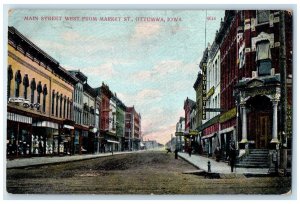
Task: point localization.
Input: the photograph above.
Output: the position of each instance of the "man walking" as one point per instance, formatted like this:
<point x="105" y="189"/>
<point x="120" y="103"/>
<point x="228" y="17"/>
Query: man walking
<point x="232" y="155"/>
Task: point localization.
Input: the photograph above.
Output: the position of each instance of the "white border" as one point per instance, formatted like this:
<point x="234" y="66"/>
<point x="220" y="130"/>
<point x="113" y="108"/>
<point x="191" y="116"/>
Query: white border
<point x="160" y="4"/>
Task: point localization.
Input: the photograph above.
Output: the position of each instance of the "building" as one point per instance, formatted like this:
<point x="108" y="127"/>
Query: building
<point x="40" y="101"/>
<point x="120" y="122"/>
<point x="210" y="125"/>
<point x="180" y="128"/>
<point x="188" y="104"/>
<point x="88" y="139"/>
<point x="79" y="127"/>
<point x="133" y="136"/>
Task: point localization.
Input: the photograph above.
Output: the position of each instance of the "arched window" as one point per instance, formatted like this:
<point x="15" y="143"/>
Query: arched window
<point x="25" y="84"/>
<point x="60" y="105"/>
<point x="45" y="92"/>
<point x="10" y="76"/>
<point x="39" y="90"/>
<point x="18" y="80"/>
<point x="68" y="101"/>
<point x="56" y="108"/>
<point x="32" y="88"/>
<point x="65" y="106"/>
<point x="52" y="102"/>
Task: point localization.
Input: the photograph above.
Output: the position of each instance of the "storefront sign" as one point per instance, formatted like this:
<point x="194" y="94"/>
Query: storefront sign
<point x="193" y="132"/>
<point x="178" y="133"/>
<point x="228" y="115"/>
<point x="210" y="92"/>
<point x="204" y="96"/>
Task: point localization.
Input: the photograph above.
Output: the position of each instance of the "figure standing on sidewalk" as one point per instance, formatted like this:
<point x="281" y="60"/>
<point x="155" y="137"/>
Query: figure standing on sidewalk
<point x="232" y="155"/>
<point x="190" y="151"/>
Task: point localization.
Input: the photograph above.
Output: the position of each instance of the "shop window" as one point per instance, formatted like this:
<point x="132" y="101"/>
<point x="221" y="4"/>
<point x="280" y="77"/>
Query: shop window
<point x="52" y="102"/>
<point x="10" y="76"/>
<point x="263" y="57"/>
<point x="39" y="90"/>
<point x="32" y="88"/>
<point x="25" y="84"/>
<point x="45" y="92"/>
<point x="18" y="81"/>
<point x="262" y="16"/>
<point x="56" y="107"/>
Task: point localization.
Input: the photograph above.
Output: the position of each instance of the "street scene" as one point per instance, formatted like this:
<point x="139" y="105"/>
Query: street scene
<point x="149" y="102"/>
<point x="147" y="172"/>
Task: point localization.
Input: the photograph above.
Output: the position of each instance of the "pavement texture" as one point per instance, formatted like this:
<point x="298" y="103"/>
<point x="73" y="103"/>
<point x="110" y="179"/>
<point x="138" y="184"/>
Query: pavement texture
<point x="221" y="168"/>
<point x="200" y="162"/>
<point x="37" y="161"/>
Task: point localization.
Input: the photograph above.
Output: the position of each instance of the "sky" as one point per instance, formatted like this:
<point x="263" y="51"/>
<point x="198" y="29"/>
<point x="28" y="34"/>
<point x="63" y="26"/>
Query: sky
<point x="149" y="64"/>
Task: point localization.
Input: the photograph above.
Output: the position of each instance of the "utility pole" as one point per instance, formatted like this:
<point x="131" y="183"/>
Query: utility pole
<point x="283" y="88"/>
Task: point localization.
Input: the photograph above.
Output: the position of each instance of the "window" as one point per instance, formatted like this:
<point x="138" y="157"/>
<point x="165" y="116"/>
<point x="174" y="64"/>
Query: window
<point x="262" y="16"/>
<point x="52" y="102"/>
<point x="10" y="76"/>
<point x="32" y="88"/>
<point x="39" y="90"/>
<point x="64" y="106"/>
<point x="18" y="81"/>
<point x="25" y="84"/>
<point x="45" y="92"/>
<point x="68" y="103"/>
<point x="263" y="57"/>
<point x="60" y="105"/>
<point x="56" y="108"/>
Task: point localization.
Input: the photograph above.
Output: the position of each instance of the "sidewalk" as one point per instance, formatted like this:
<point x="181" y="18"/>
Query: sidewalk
<point x="36" y="161"/>
<point x="220" y="167"/>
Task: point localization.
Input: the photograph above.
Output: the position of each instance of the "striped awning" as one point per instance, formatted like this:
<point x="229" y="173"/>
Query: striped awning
<point x="45" y="124"/>
<point x="19" y="118"/>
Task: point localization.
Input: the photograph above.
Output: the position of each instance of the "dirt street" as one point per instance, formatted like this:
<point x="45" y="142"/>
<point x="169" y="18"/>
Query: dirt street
<point x="136" y="173"/>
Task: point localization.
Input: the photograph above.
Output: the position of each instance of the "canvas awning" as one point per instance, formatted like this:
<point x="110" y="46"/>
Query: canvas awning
<point x="112" y="141"/>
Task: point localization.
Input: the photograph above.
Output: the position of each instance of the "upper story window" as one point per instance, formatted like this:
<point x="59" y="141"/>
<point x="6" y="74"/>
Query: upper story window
<point x="10" y="76"/>
<point x="32" y="88"/>
<point x="18" y="80"/>
<point x="25" y="84"/>
<point x="45" y="93"/>
<point x="262" y="16"/>
<point x="52" y="102"/>
<point x="263" y="57"/>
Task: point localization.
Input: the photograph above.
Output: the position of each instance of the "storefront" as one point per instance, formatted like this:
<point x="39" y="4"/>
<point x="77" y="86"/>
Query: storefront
<point x="19" y="130"/>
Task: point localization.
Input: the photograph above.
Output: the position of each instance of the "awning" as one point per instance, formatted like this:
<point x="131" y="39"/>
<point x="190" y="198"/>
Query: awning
<point x="45" y="124"/>
<point x="111" y="141"/>
<point x="208" y="136"/>
<point x="69" y="127"/>
<point x="19" y="118"/>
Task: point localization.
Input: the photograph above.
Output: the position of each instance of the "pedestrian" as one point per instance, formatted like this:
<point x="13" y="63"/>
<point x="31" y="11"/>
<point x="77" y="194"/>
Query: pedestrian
<point x="232" y="155"/>
<point x="176" y="153"/>
<point x="218" y="153"/>
<point x="190" y="151"/>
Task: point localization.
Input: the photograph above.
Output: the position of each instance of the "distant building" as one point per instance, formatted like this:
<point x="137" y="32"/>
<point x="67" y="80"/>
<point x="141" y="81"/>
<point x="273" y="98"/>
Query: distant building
<point x="133" y="136"/>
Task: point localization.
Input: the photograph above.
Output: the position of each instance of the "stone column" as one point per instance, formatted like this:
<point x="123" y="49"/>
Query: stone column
<point x="274" y="130"/>
<point x="244" y="124"/>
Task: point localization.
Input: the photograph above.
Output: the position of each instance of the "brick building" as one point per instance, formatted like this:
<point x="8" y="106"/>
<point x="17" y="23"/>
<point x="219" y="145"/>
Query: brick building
<point x="40" y="101"/>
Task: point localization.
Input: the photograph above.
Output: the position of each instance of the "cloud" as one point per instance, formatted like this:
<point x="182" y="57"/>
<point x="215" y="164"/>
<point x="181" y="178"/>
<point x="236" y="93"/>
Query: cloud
<point x="104" y="71"/>
<point x="70" y="35"/>
<point x="145" y="31"/>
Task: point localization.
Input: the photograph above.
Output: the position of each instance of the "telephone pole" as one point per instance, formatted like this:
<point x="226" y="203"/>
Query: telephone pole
<point x="283" y="88"/>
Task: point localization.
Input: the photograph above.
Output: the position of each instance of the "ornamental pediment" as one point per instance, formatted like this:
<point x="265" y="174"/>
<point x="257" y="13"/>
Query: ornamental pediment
<point x="255" y="83"/>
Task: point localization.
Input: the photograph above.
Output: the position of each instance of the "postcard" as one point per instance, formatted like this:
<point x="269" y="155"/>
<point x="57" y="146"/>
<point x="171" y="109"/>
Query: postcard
<point x="149" y="102"/>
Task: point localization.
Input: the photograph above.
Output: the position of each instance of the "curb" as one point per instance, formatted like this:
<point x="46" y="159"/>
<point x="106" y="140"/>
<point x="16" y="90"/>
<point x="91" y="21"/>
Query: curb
<point x="61" y="162"/>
